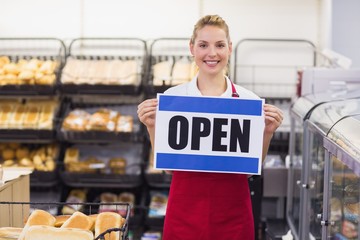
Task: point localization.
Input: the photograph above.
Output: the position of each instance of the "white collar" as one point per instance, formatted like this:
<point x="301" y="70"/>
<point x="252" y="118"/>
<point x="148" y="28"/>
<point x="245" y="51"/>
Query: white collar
<point x="193" y="89"/>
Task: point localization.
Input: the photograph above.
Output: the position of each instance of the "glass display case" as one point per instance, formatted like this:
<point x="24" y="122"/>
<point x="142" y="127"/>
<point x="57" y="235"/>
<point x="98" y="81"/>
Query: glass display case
<point x="341" y="189"/>
<point x="311" y="118"/>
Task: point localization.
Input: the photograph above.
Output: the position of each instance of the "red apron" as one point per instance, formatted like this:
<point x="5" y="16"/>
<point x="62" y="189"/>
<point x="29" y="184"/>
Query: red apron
<point x="204" y="206"/>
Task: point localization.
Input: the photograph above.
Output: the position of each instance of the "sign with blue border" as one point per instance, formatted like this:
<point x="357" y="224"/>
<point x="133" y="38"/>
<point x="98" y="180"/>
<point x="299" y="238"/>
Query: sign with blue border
<point x="209" y="134"/>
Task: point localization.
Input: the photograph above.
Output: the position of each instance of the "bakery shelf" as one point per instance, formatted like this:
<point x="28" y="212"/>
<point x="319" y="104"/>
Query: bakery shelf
<point x="91" y="165"/>
<point x="104" y="66"/>
<point x="101" y="180"/>
<point x="50" y="57"/>
<point x="105" y="135"/>
<point x="44" y="179"/>
<point x="168" y="52"/>
<point x="27" y="135"/>
<point x="159" y="180"/>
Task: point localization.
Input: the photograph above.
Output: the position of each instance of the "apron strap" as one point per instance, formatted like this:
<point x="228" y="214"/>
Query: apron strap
<point x="233" y="89"/>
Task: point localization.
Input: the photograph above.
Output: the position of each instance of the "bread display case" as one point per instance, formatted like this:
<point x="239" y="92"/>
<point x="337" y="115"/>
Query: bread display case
<point x="315" y="114"/>
<point x="116" y="165"/>
<point x="96" y="123"/>
<point x="170" y="64"/>
<point x="30" y="66"/>
<point x="104" y="66"/>
<point x="29" y="119"/>
<point x="340" y="219"/>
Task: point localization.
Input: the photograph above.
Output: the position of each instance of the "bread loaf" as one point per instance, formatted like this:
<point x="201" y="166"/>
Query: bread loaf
<point x="60" y="219"/>
<point x="10" y="233"/>
<point x="37" y="217"/>
<point x="78" y="220"/>
<point x="107" y="220"/>
<point x="47" y="233"/>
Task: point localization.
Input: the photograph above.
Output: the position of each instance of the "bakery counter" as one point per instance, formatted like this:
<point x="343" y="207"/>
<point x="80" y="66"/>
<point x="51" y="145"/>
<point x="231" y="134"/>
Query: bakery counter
<point x="15" y="189"/>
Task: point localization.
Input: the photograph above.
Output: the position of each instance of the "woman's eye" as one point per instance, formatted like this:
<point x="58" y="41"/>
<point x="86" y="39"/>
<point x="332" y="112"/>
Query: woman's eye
<point x="202" y="45"/>
<point x="221" y="45"/>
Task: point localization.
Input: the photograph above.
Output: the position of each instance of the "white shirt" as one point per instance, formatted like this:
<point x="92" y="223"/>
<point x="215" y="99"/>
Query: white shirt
<point x="191" y="89"/>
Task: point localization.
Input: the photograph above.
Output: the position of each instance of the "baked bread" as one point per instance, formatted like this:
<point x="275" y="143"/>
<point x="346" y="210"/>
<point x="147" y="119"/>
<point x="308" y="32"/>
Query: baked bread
<point x="48" y="232"/>
<point x="10" y="233"/>
<point x="37" y="217"/>
<point x="60" y="219"/>
<point x="118" y="165"/>
<point x="107" y="220"/>
<point x="125" y="123"/>
<point x="78" y="220"/>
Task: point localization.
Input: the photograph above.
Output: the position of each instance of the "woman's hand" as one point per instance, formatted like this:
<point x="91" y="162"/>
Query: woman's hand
<point x="273" y="118"/>
<point x="147" y="112"/>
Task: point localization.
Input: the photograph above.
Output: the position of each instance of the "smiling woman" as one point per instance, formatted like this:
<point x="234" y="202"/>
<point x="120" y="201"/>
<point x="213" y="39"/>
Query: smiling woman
<point x="208" y="205"/>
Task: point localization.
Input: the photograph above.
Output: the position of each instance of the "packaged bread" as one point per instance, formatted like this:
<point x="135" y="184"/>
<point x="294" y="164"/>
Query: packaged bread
<point x="181" y="71"/>
<point x="7" y="233"/>
<point x="129" y="76"/>
<point x="107" y="198"/>
<point x="6" y="111"/>
<point x="46" y="118"/>
<point x="37" y="217"/>
<point x="74" y="201"/>
<point x="19" y="115"/>
<point x="70" y="71"/>
<point x="48" y="232"/>
<point x="117" y="165"/>
<point x="126" y="197"/>
<point x="78" y="220"/>
<point x="71" y="155"/>
<point x="32" y="116"/>
<point x="107" y="220"/>
<point x="103" y="120"/>
<point x="125" y="123"/>
<point x="76" y="120"/>
<point x="162" y="73"/>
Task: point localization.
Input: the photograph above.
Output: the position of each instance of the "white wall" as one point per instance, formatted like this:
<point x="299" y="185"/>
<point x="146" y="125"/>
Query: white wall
<point x="345" y="29"/>
<point x="150" y="19"/>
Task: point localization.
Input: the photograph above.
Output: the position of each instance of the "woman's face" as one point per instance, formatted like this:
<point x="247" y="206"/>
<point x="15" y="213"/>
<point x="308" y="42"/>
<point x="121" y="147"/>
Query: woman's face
<point x="211" y="50"/>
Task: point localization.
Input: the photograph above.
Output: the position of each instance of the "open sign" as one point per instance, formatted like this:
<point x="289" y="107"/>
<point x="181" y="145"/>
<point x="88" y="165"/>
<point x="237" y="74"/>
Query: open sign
<point x="209" y="134"/>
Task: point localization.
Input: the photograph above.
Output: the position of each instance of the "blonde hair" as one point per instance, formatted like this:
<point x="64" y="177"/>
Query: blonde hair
<point x="210" y="20"/>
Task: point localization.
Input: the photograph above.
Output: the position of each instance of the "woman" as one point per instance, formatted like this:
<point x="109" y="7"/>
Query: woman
<point x="203" y="205"/>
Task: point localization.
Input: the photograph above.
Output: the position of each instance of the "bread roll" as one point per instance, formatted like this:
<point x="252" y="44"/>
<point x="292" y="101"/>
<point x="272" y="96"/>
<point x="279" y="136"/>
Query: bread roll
<point x="10" y="232"/>
<point x="107" y="220"/>
<point x="37" y="217"/>
<point x="60" y="219"/>
<point x="78" y="220"/>
<point x="48" y="232"/>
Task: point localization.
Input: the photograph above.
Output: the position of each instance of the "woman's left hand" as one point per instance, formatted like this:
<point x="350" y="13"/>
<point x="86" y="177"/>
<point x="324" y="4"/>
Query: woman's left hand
<point x="273" y="118"/>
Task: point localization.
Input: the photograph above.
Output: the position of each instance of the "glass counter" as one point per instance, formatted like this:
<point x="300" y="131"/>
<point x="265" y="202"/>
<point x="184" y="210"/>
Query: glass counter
<point x="311" y="118"/>
<point x="341" y="192"/>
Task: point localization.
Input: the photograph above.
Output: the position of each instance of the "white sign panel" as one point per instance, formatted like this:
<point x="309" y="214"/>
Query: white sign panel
<point x="209" y="134"/>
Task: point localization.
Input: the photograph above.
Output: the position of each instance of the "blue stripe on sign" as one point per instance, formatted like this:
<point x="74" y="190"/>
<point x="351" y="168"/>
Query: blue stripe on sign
<point x="210" y="105"/>
<point x="207" y="163"/>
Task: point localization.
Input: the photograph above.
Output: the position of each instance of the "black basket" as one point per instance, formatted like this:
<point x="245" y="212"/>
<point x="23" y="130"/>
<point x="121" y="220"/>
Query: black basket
<point x="28" y="48"/>
<point x="106" y="49"/>
<point x="102" y="180"/>
<point x="21" y="210"/>
<point x="164" y="49"/>
<point x="96" y="136"/>
<point x="160" y="180"/>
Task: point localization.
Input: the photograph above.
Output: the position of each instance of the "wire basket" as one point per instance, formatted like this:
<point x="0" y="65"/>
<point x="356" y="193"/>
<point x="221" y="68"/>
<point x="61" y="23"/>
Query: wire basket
<point x="21" y="51"/>
<point x="104" y="66"/>
<point x="14" y="214"/>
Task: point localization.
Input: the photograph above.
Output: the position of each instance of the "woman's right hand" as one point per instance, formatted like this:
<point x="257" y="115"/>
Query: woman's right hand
<point x="147" y="112"/>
